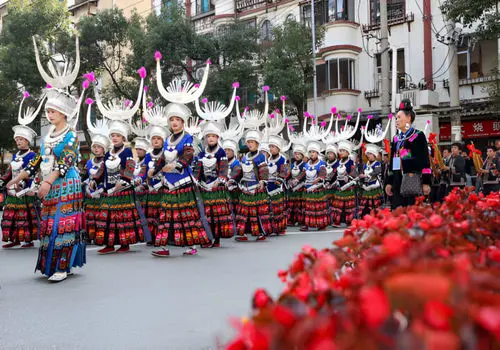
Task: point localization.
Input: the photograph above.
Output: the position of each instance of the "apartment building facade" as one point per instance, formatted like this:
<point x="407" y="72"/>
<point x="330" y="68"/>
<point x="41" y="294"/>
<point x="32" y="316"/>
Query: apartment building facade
<point x="349" y="64"/>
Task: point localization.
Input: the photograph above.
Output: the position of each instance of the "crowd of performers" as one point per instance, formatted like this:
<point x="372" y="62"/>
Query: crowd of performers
<point x="187" y="183"/>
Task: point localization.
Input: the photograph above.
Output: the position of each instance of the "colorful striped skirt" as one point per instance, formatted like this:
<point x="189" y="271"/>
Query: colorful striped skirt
<point x="252" y="213"/>
<point x="371" y="199"/>
<point x="218" y="212"/>
<point x="180" y="221"/>
<point x="278" y="213"/>
<point x="343" y="207"/>
<point x="296" y="207"/>
<point x="316" y="209"/>
<point x="19" y="223"/>
<point x="61" y="242"/>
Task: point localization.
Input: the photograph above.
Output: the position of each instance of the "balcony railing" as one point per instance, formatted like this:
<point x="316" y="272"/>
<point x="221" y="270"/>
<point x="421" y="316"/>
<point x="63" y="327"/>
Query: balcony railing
<point x="203" y="22"/>
<point x="243" y="5"/>
<point x="396" y="14"/>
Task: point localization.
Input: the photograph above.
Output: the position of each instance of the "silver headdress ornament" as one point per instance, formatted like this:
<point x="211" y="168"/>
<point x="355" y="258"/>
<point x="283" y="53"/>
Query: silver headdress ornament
<point x="30" y="114"/>
<point x="99" y="129"/>
<point x="376" y="135"/>
<point x="193" y="126"/>
<point x="119" y="109"/>
<point x="214" y="110"/>
<point x="210" y="127"/>
<point x="64" y="76"/>
<point x="316" y="133"/>
<point x="139" y="128"/>
<point x="231" y="135"/>
<point x="179" y="91"/>
<point x="154" y="114"/>
<point x="254" y="118"/>
<point x="274" y="126"/>
<point x="24" y="119"/>
<point x="347" y="131"/>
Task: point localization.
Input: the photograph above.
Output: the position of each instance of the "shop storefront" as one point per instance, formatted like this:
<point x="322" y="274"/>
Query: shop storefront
<point x="482" y="132"/>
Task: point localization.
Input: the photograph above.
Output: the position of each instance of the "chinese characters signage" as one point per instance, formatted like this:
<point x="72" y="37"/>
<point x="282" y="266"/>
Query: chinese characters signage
<point x="472" y="129"/>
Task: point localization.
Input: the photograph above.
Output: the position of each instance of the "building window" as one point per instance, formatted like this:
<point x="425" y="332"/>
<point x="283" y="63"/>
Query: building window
<point x="396" y="10"/>
<point x="322" y="78"/>
<point x="290" y="18"/>
<point x="341" y="10"/>
<point x="320" y="10"/>
<point x="266" y="31"/>
<point x="204" y="6"/>
<point x="476" y="59"/>
<point x="400" y="66"/>
<point x="341" y="74"/>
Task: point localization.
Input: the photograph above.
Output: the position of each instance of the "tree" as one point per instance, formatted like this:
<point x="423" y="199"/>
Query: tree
<point x="484" y="17"/>
<point x="288" y="64"/>
<point x="47" y="19"/>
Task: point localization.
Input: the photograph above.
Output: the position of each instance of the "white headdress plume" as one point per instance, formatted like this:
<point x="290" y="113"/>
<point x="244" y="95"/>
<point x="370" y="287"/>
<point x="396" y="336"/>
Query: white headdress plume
<point x="193" y="126"/>
<point x="376" y="135"/>
<point x="214" y="110"/>
<point x="139" y="127"/>
<point x="30" y="114"/>
<point x="427" y="130"/>
<point x="357" y="145"/>
<point x="154" y="114"/>
<point x="317" y="132"/>
<point x="254" y="118"/>
<point x="61" y="77"/>
<point x="98" y="126"/>
<point x="119" y="110"/>
<point x="179" y="91"/>
<point x="348" y="131"/>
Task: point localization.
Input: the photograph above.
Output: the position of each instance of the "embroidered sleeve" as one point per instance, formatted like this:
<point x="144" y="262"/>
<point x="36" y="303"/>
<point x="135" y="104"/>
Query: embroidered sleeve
<point x="284" y="171"/>
<point x="302" y="174"/>
<point x="197" y="169"/>
<point x="377" y="171"/>
<point x="99" y="174"/>
<point x="263" y="172"/>
<point x="352" y="170"/>
<point x="236" y="173"/>
<point x="34" y="165"/>
<point x="185" y="158"/>
<point x="322" y="172"/>
<point x="223" y="167"/>
<point x="6" y="178"/>
<point x="127" y="174"/>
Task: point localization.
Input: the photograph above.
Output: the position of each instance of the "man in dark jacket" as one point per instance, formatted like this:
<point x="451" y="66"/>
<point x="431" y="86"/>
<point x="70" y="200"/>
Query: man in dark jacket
<point x="456" y="167"/>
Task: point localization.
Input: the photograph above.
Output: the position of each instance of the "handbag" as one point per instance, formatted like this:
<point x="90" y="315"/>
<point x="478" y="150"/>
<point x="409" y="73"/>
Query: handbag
<point x="411" y="185"/>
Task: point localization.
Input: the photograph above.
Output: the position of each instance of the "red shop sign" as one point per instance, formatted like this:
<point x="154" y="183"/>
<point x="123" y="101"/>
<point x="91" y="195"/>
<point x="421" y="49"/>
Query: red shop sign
<point x="472" y="129"/>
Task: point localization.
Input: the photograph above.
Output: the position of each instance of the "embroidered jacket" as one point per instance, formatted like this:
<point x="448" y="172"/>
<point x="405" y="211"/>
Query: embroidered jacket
<point x="313" y="172"/>
<point x="255" y="170"/>
<point x="211" y="166"/>
<point x="413" y="152"/>
<point x="153" y="160"/>
<point x="95" y="175"/>
<point x="118" y="167"/>
<point x="18" y="163"/>
<point x="178" y="150"/>
<point x="279" y="172"/>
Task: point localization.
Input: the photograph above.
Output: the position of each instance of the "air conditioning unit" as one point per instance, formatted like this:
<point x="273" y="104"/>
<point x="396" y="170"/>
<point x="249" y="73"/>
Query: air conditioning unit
<point x="419" y="98"/>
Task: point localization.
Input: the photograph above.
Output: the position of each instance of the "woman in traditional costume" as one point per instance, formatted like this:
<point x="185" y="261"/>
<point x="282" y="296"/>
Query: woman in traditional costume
<point x="410" y="157"/>
<point x="19" y="222"/>
<point x="253" y="212"/>
<point x="61" y="243"/>
<point x="94" y="186"/>
<point x="211" y="173"/>
<point x="118" y="210"/>
<point x="296" y="184"/>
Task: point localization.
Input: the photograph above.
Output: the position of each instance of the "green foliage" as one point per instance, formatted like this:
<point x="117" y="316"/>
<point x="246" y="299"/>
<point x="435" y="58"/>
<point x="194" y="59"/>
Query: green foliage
<point x="288" y="63"/>
<point x="483" y="13"/>
<point x="45" y="18"/>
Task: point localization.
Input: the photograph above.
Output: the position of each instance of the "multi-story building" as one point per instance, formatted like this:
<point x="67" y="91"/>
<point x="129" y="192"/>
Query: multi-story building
<point x="349" y="60"/>
<point x="349" y="64"/>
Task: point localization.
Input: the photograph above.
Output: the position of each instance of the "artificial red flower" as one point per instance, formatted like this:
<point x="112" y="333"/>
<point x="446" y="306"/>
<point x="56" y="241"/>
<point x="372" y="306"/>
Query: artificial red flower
<point x="374" y="306"/>
<point x="489" y="318"/>
<point x="283" y="315"/>
<point x="261" y="299"/>
<point x="436" y="221"/>
<point x="437" y="315"/>
<point x="394" y="244"/>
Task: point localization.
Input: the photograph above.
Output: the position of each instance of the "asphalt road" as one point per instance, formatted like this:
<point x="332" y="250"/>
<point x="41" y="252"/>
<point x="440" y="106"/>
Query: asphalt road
<point x="137" y="301"/>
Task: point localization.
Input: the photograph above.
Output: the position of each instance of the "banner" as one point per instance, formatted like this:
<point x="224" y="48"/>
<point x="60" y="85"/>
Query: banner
<point x="472" y="129"/>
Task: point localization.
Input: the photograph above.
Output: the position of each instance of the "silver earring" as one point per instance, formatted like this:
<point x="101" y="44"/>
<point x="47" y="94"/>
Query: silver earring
<point x="407" y="126"/>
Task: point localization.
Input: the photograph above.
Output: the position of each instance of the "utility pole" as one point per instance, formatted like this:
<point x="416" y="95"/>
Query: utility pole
<point x="456" y="122"/>
<point x="384" y="56"/>
<point x="315" y="80"/>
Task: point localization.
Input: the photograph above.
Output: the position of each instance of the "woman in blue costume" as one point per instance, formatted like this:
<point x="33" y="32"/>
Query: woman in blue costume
<point x="94" y="167"/>
<point x="211" y="172"/>
<point x="372" y="194"/>
<point x="61" y="244"/>
<point x="252" y="213"/>
<point x="316" y="203"/>
<point x="279" y="172"/>
<point x="19" y="222"/>
<point x="180" y="222"/>
<point x="295" y="185"/>
<point x="344" y="204"/>
<point x="122" y="219"/>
